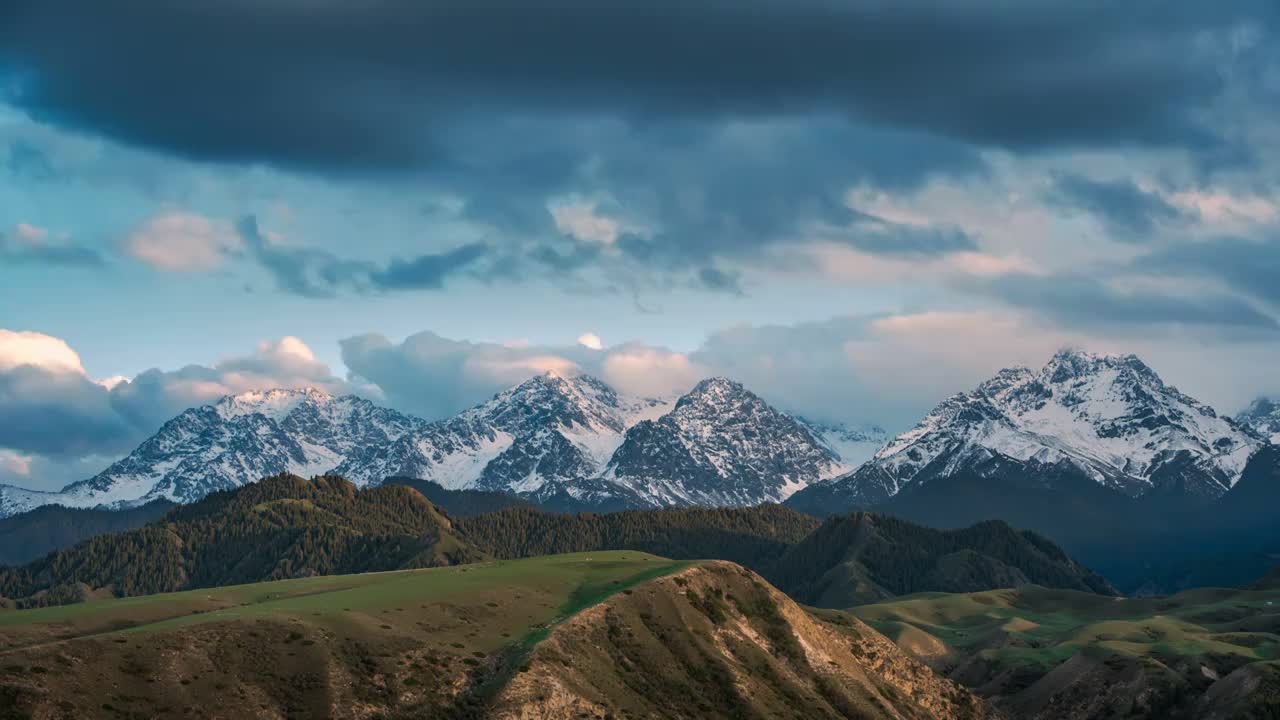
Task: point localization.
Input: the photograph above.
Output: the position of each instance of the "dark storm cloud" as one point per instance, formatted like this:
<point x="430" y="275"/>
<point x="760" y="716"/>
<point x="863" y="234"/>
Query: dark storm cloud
<point x="59" y="414"/>
<point x="1250" y="267"/>
<point x="1086" y="302"/>
<point x="326" y="84"/>
<point x="1129" y="213"/>
<point x="320" y="274"/>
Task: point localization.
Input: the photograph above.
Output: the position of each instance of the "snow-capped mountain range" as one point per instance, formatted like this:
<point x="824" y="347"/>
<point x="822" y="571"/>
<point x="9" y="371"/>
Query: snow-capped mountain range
<point x="570" y="436"/>
<point x="236" y="440"/>
<point x="1263" y="415"/>
<point x="1108" y="416"/>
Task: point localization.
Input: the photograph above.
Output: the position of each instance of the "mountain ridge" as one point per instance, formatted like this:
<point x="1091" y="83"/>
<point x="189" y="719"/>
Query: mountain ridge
<point x="569" y="441"/>
<point x="1109" y="416"/>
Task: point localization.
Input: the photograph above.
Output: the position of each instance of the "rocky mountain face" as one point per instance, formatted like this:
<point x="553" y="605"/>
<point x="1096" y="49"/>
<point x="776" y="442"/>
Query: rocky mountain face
<point x="564" y="441"/>
<point x="532" y="439"/>
<point x="573" y="442"/>
<point x="1110" y="419"/>
<point x="717" y="641"/>
<point x="720" y="445"/>
<point x="237" y="440"/>
<point x="1263" y="415"/>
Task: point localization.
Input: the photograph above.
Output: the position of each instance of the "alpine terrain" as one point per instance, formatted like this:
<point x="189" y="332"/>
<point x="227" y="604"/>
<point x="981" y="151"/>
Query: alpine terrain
<point x="564" y="441"/>
<point x="571" y="441"/>
<point x="1263" y="415"/>
<point x="236" y="440"/>
<point x="1106" y="420"/>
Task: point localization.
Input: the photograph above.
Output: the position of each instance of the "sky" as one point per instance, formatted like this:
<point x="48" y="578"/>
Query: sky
<point x="855" y="208"/>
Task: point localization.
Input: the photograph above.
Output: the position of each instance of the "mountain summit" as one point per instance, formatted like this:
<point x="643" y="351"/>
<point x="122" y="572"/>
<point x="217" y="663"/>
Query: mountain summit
<point x="573" y="441"/>
<point x="1109" y="417"/>
<point x="551" y="428"/>
<point x="1263" y="415"/>
<point x="721" y="445"/>
<point x="566" y="440"/>
<point x="236" y="440"/>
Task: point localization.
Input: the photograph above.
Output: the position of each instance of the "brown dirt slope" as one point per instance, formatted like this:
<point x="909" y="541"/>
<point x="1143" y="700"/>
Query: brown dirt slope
<point x="716" y="641"/>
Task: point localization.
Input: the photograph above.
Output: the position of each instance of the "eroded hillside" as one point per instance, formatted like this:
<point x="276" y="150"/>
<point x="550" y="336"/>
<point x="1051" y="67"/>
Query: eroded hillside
<point x="716" y="641"/>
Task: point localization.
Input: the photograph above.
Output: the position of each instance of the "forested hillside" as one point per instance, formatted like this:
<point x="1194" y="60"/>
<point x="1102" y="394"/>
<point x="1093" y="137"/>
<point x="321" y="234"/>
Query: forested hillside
<point x="281" y="527"/>
<point x="750" y="536"/>
<point x="36" y="533"/>
<point x="287" y="527"/>
<point x="863" y="557"/>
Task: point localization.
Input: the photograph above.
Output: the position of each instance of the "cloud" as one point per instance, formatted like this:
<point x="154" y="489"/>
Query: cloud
<point x="341" y="86"/>
<point x="435" y="377"/>
<point x="1082" y="301"/>
<point x="154" y="396"/>
<point x="1249" y="267"/>
<point x="40" y="472"/>
<point x="427" y="272"/>
<point x="591" y="341"/>
<point x="879" y="237"/>
<point x="48" y="405"/>
<point x="50" y="408"/>
<point x="177" y="241"/>
<point x="1129" y="212"/>
<point x="37" y="350"/>
<point x="26" y="243"/>
<point x="582" y="222"/>
<point x="319" y="274"/>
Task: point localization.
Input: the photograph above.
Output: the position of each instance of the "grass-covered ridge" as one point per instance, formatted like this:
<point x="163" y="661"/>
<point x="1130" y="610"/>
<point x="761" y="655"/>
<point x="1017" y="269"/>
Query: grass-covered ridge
<point x="406" y="639"/>
<point x="1033" y="647"/>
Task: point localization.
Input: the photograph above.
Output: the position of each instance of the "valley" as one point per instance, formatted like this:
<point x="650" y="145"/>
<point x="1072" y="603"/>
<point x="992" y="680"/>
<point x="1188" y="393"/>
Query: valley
<point x="1042" y="653"/>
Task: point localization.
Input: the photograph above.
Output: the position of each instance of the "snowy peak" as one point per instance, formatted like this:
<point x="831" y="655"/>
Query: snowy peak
<point x="549" y="430"/>
<point x="235" y="440"/>
<point x="552" y="399"/>
<point x="1263" y="415"/>
<point x="721" y="445"/>
<point x="1111" y="416"/>
<point x="275" y="404"/>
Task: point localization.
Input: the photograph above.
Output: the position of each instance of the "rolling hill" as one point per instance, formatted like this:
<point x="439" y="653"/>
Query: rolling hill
<point x="607" y="634"/>
<point x="1067" y="655"/>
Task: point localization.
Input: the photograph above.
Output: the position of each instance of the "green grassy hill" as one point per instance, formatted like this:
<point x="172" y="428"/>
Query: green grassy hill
<point x="602" y="634"/>
<point x="1064" y="654"/>
<point x="417" y="641"/>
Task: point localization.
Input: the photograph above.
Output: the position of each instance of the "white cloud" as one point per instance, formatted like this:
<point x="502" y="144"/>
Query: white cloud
<point x="650" y="372"/>
<point x="51" y="410"/>
<point x="110" y="382"/>
<point x="590" y="341"/>
<point x="30" y="234"/>
<point x="38" y="350"/>
<point x="156" y="395"/>
<point x="14" y="465"/>
<point x="183" y="242"/>
<point x="581" y="221"/>
<point x="1227" y="212"/>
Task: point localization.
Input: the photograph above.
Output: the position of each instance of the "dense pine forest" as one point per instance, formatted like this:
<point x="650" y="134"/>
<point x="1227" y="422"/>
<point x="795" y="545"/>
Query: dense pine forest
<point x="34" y="534"/>
<point x="280" y="527"/>
<point x="286" y="527"/>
